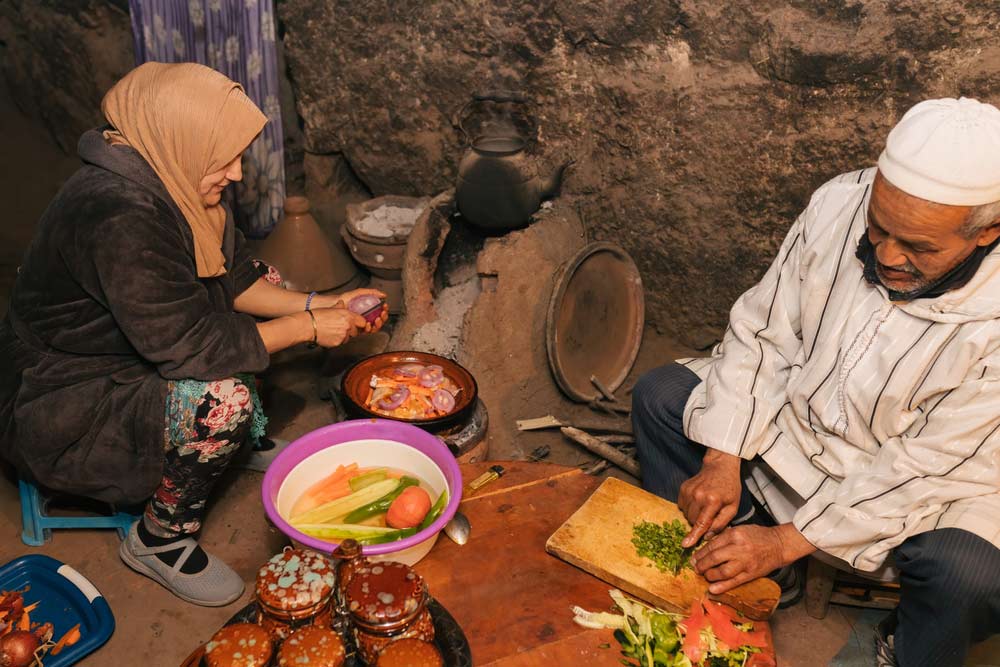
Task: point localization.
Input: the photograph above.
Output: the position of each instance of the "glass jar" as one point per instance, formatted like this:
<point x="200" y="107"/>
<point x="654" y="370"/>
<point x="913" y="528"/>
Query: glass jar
<point x="387" y="601"/>
<point x="294" y="590"/>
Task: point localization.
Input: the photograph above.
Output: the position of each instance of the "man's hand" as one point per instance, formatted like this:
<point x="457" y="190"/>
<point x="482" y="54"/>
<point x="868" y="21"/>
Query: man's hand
<point x="710" y="499"/>
<point x="743" y="553"/>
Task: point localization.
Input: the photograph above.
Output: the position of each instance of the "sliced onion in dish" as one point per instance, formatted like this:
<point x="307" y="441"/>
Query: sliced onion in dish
<point x="431" y="376"/>
<point x="443" y="400"/>
<point x="395" y="399"/>
<point x="407" y="370"/>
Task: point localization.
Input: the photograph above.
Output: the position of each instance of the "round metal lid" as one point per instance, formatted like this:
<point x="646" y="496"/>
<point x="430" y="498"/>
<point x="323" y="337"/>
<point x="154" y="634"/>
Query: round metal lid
<point x="595" y="320"/>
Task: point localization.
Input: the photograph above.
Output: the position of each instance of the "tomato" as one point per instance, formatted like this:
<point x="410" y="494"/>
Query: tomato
<point x="409" y="508"/>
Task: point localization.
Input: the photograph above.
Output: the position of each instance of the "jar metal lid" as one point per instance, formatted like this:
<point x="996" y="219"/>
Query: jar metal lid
<point x="385" y="595"/>
<point x="295" y="581"/>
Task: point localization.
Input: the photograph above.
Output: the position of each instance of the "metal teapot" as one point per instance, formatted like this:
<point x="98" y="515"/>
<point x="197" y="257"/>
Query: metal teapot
<point x="498" y="184"/>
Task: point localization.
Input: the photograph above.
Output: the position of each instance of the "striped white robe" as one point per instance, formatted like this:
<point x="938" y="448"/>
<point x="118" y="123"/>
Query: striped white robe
<point x="875" y="420"/>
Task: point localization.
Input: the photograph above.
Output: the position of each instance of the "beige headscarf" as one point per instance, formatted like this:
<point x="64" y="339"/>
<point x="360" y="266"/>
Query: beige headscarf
<point x="187" y="121"/>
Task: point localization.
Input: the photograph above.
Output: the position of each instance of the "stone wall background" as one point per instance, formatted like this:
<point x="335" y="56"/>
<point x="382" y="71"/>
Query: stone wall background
<point x="59" y="57"/>
<point x="699" y="127"/>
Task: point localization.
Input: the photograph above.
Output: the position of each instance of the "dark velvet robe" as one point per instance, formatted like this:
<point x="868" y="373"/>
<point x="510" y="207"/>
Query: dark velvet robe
<point x="106" y="309"/>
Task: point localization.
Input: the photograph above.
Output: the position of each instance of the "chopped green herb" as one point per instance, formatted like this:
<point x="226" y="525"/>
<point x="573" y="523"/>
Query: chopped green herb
<point x="662" y="544"/>
<point x="604" y="645"/>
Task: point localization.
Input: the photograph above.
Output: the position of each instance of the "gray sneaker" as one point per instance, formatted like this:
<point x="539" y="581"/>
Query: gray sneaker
<point x="215" y="586"/>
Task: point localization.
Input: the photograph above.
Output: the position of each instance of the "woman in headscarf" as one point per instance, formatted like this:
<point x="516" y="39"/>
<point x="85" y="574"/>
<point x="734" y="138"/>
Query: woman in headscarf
<point x="127" y="354"/>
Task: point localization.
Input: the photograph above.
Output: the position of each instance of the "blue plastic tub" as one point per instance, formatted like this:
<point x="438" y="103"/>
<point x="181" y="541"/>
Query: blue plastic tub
<point x="67" y="598"/>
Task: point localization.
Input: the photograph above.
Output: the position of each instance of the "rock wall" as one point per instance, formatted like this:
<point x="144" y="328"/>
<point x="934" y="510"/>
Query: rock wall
<point x="59" y="58"/>
<point x="699" y="128"/>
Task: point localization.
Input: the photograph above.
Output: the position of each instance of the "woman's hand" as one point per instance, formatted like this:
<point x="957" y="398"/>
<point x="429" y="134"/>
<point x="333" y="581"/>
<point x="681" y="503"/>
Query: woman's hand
<point x="336" y="326"/>
<point x="711" y="498"/>
<point x="743" y="553"/>
<point x="341" y="300"/>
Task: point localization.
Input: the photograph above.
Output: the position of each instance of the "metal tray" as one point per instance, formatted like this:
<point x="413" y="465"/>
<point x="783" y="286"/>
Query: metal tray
<point x="594" y="322"/>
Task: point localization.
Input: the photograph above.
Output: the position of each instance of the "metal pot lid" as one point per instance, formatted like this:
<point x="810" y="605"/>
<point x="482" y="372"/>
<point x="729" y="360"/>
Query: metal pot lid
<point x="595" y="320"/>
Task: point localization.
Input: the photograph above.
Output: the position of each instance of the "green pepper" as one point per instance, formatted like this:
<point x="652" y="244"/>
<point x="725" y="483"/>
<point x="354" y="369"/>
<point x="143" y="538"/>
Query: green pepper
<point x="381" y="505"/>
<point x="394" y="536"/>
<point x="664" y="632"/>
<point x="435" y="510"/>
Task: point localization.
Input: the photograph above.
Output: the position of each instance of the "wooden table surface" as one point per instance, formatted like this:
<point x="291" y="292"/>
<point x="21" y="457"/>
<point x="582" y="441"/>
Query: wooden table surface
<point x="511" y="598"/>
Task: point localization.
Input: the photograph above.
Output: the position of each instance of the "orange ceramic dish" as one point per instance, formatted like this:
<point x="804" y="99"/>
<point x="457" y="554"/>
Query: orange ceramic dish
<point x="415" y="387"/>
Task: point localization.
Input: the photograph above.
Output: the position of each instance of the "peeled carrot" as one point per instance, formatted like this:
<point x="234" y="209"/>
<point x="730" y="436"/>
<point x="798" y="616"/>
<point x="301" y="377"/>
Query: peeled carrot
<point x="329" y="488"/>
<point x="71" y="637"/>
<point x="332" y="492"/>
<point x="25" y="621"/>
<point x="342" y="472"/>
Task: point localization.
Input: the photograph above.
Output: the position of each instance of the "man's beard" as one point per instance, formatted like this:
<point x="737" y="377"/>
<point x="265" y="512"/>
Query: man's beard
<point x="918" y="283"/>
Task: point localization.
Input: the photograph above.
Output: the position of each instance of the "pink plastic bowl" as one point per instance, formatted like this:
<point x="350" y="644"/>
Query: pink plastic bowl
<point x="363" y="435"/>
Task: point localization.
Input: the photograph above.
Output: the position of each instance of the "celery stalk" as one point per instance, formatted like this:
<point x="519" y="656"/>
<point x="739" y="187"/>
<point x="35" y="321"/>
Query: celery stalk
<point x="363" y="534"/>
<point x="335" y="509"/>
<point x="368" y="478"/>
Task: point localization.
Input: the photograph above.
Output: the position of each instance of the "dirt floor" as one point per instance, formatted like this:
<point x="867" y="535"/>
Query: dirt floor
<point x="156" y="629"/>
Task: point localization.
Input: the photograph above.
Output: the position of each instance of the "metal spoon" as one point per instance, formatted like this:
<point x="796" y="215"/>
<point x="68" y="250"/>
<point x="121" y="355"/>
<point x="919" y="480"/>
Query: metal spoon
<point x="458" y="528"/>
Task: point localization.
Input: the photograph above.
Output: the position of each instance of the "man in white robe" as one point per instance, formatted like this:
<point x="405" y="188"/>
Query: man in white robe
<point x="852" y="409"/>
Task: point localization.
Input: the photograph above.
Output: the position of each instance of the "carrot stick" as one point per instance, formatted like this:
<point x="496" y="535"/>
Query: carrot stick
<point x="32" y="606"/>
<point x="71" y="637"/>
<point x="340" y="473"/>
<point x="316" y="497"/>
<point x="25" y="622"/>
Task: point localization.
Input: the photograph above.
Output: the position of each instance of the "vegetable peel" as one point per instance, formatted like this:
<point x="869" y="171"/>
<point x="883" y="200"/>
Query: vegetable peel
<point x="652" y="637"/>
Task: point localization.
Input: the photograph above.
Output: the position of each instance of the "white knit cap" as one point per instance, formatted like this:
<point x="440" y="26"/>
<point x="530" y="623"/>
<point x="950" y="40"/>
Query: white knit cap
<point x="946" y="151"/>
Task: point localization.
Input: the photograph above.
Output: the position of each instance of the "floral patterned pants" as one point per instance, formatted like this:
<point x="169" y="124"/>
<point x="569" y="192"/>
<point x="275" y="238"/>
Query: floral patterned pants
<point x="206" y="424"/>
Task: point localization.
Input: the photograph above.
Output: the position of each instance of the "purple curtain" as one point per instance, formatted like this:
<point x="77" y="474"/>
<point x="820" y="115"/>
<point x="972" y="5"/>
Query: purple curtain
<point x="236" y="37"/>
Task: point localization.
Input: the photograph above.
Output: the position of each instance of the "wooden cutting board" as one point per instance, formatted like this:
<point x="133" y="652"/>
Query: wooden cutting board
<point x="597" y="538"/>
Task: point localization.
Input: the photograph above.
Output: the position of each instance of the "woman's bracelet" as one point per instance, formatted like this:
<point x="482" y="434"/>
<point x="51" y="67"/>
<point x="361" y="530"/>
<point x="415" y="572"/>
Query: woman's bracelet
<point x="309" y="300"/>
<point x="312" y="317"/>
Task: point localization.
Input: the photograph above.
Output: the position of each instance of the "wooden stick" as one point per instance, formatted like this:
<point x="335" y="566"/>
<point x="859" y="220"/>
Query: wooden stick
<point x="549" y="421"/>
<point x="601" y="388"/>
<point x="617" y="439"/>
<point x="538" y="423"/>
<point x="605" y="451"/>
<point x="596" y="468"/>
<point x="613" y="409"/>
<point x="622" y="426"/>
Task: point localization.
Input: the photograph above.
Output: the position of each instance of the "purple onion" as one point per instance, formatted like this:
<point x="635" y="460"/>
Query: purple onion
<point x="407" y="370"/>
<point x="443" y="400"/>
<point x="368" y="306"/>
<point x="395" y="399"/>
<point x="431" y="376"/>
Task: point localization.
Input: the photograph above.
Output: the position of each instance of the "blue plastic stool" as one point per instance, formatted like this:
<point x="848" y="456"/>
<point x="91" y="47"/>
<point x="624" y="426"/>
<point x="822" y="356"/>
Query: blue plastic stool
<point x="36" y="525"/>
